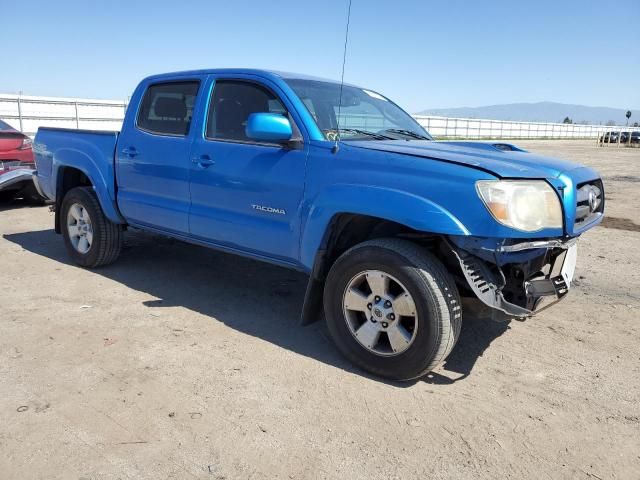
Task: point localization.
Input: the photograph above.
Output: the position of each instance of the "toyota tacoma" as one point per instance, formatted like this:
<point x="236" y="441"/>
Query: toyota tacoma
<point x="335" y="181"/>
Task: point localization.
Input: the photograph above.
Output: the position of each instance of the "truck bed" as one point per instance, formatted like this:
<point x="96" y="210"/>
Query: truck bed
<point x="89" y="151"/>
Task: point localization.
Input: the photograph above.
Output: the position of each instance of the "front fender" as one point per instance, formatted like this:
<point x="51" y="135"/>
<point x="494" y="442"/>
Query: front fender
<point x="389" y="204"/>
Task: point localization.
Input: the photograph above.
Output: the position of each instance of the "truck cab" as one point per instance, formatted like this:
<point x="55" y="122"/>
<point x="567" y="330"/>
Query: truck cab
<point x="336" y="181"/>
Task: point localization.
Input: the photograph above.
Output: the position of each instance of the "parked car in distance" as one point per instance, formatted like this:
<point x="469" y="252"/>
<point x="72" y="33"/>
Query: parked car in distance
<point x="630" y="137"/>
<point x="16" y="164"/>
<point x="620" y="137"/>
<point x="609" y="137"/>
<point x="339" y="183"/>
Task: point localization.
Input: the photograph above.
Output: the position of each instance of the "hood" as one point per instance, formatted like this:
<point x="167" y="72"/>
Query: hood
<point x="498" y="158"/>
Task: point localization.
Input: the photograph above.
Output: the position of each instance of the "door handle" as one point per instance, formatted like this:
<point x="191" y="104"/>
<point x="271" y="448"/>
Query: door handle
<point x="203" y="161"/>
<point x="130" y="152"/>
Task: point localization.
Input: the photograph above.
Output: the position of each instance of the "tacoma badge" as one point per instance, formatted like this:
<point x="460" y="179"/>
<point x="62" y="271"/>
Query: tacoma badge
<point x="262" y="208"/>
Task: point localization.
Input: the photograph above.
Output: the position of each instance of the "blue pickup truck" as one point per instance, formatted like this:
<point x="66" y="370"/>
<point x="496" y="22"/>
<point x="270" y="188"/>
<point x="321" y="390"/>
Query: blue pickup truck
<point x="335" y="181"/>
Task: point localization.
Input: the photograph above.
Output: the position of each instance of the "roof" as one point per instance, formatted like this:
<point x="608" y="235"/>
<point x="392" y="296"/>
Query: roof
<point x="246" y="71"/>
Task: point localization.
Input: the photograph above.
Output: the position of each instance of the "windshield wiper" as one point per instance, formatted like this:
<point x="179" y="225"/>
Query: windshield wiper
<point x="407" y="133"/>
<point x="377" y="136"/>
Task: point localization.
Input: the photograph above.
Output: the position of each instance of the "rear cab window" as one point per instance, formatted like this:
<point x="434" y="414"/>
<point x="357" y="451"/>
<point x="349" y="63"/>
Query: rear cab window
<point x="167" y="108"/>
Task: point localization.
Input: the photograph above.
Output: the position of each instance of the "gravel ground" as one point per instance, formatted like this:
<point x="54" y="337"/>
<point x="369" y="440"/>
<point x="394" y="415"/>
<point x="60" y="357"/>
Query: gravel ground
<point x="181" y="362"/>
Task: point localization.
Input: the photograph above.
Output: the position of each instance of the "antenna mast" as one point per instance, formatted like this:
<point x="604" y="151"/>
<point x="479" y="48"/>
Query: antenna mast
<point x="344" y="61"/>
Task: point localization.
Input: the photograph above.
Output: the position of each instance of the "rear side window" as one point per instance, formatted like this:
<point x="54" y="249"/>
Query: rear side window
<point x="167" y="108"/>
<point x="231" y="105"/>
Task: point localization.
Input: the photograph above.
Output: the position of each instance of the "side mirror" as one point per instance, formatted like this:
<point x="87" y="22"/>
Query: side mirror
<point x="269" y="127"/>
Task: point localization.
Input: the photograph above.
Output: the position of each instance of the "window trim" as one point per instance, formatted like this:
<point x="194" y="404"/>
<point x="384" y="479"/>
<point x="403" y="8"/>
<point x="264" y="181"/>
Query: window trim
<point x="169" y="82"/>
<point x="297" y="138"/>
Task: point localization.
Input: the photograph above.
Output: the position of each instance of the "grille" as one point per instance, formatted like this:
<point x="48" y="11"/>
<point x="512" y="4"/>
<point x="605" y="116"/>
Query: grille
<point x="589" y="202"/>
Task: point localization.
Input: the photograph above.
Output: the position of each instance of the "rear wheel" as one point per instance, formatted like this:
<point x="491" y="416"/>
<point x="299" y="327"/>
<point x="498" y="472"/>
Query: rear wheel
<point x="392" y="308"/>
<point x="92" y="240"/>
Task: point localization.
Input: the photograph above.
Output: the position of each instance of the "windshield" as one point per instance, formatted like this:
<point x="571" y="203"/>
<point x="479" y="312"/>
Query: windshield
<point x="364" y="114"/>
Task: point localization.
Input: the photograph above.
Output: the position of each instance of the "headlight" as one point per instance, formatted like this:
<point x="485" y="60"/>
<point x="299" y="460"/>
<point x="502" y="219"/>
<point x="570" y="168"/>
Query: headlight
<point x="527" y="205"/>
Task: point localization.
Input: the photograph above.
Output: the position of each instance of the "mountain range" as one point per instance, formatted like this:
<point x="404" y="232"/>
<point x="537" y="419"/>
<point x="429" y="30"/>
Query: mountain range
<point x="539" y="112"/>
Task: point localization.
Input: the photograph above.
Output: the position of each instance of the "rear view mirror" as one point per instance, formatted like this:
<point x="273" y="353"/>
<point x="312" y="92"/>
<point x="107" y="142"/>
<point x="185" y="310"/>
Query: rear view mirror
<point x="350" y="100"/>
<point x="269" y="127"/>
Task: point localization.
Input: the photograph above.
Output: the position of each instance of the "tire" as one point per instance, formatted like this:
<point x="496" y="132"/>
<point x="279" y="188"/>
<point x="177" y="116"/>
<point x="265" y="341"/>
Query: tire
<point x="106" y="241"/>
<point x="437" y="314"/>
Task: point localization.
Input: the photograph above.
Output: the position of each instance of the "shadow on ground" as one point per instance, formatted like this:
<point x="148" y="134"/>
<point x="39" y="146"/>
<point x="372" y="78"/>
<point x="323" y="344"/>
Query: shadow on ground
<point x="252" y="297"/>
<point x="480" y="326"/>
<point x="7" y="203"/>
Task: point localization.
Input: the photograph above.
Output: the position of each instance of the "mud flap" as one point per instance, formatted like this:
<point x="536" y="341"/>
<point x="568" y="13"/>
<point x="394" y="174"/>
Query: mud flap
<point x="312" y="307"/>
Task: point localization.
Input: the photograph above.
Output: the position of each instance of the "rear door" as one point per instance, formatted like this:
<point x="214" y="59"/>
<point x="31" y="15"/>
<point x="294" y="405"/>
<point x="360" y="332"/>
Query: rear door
<point x="246" y="194"/>
<point x="153" y="149"/>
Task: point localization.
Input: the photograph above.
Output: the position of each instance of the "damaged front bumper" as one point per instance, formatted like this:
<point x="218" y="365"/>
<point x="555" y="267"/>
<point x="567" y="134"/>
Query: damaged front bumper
<point x="517" y="277"/>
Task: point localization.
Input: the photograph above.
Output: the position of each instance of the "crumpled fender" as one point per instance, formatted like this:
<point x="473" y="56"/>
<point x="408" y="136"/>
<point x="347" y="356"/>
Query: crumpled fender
<point x="395" y="205"/>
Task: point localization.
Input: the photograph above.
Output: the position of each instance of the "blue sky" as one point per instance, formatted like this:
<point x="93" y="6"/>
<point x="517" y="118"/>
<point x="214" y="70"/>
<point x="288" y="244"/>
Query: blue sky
<point x="423" y="54"/>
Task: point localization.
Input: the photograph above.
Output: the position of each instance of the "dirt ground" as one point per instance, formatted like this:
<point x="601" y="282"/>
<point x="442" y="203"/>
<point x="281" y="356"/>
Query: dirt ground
<point x="181" y="362"/>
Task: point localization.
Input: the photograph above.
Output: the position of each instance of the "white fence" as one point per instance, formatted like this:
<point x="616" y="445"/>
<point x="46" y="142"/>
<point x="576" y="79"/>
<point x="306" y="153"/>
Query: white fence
<point x="27" y="113"/>
<point x="502" y="129"/>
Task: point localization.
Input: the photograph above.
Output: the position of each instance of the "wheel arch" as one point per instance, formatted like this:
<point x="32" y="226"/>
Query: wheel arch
<point x="345" y="230"/>
<point x="71" y="175"/>
<point x="389" y="205"/>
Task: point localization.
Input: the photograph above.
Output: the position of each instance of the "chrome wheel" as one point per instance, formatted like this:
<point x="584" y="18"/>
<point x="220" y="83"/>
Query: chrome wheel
<point x="380" y="313"/>
<point x="79" y="228"/>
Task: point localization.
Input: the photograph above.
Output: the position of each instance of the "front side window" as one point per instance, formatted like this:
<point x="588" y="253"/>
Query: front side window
<point x="232" y="104"/>
<point x="362" y="114"/>
<point x="167" y="108"/>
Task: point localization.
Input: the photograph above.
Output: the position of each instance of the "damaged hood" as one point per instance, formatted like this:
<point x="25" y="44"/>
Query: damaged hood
<point x="498" y="158"/>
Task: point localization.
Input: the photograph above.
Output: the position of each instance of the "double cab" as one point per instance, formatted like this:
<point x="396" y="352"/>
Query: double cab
<point x="338" y="182"/>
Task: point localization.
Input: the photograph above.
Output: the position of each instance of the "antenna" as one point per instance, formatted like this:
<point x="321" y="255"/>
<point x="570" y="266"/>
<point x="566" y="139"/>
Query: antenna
<point x="344" y="61"/>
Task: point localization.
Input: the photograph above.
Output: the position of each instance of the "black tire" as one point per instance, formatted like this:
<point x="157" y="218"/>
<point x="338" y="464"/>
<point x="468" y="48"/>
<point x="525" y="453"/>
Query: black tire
<point x="107" y="236"/>
<point x="436" y="297"/>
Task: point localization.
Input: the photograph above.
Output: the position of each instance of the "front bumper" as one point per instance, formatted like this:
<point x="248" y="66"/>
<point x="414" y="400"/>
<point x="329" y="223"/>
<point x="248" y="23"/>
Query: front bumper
<point x="518" y="278"/>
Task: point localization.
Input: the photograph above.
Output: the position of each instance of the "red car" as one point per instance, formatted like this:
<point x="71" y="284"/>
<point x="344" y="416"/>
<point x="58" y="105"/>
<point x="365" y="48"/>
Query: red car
<point x="16" y="164"/>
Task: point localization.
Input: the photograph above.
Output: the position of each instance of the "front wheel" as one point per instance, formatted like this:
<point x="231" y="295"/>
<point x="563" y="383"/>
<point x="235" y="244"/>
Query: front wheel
<point x="92" y="240"/>
<point x="392" y="308"/>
